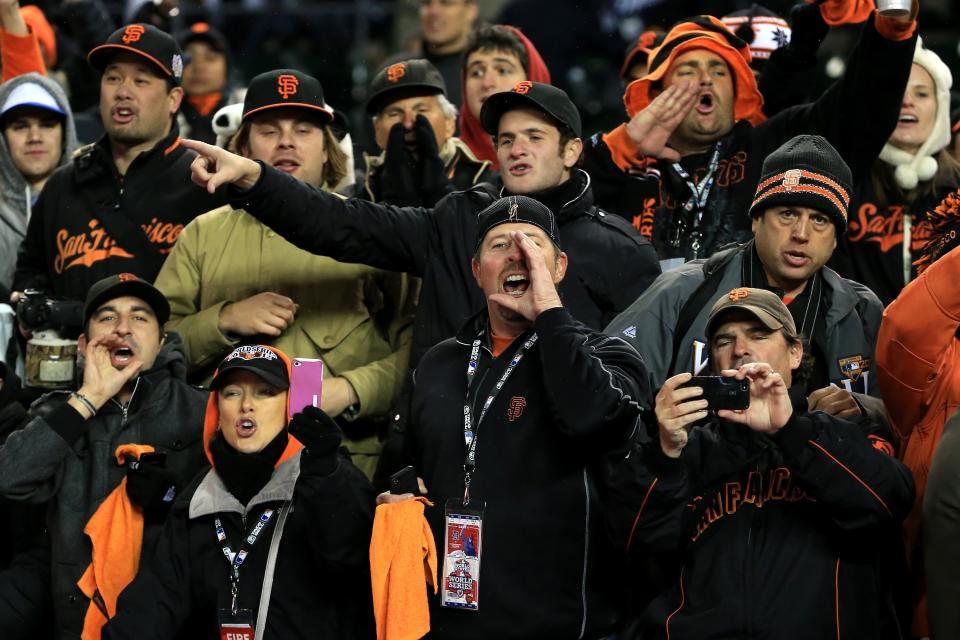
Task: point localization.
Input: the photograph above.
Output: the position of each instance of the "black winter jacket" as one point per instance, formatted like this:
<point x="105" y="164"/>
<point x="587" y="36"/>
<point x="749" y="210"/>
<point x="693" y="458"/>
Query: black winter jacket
<point x="653" y="197"/>
<point x="783" y="537"/>
<point x="321" y="584"/>
<point x="71" y="241"/>
<point x="610" y="264"/>
<point x="548" y="569"/>
<point x="68" y="462"/>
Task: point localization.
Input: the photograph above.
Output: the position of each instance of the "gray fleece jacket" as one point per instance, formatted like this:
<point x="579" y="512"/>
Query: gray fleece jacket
<point x="16" y="196"/>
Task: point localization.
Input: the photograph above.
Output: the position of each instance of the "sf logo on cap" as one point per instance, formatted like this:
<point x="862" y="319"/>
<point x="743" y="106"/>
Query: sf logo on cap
<point x="132" y="33"/>
<point x="523" y="87"/>
<point x="739" y="294"/>
<point x="791" y="179"/>
<point x="396" y="71"/>
<point x="287" y="85"/>
<point x="127" y="277"/>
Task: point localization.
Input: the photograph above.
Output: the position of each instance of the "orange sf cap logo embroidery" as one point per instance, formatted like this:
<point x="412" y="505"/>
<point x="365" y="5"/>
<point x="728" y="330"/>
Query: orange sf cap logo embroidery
<point x="523" y="87"/>
<point x="516" y="407"/>
<point x="791" y="179"/>
<point x="396" y="71"/>
<point x="287" y="85"/>
<point x="127" y="277"/>
<point x="132" y="33"/>
<point x="739" y="294"/>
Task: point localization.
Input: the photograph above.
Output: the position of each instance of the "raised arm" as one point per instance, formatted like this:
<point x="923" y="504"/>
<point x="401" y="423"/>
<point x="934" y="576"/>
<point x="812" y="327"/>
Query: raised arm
<point x="357" y="231"/>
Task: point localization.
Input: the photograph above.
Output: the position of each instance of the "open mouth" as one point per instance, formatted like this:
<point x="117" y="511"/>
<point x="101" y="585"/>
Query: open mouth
<point x="520" y="169"/>
<point x="287" y="166"/>
<point x="246" y="427"/>
<point x="122" y="115"/>
<point x="516" y="284"/>
<point x="121" y="356"/>
<point x="796" y="258"/>
<point x="907" y="118"/>
<point x="706" y="103"/>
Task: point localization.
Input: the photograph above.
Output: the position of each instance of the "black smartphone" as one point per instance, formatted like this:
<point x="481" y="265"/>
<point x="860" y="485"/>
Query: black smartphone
<point x="405" y="481"/>
<point x="721" y="392"/>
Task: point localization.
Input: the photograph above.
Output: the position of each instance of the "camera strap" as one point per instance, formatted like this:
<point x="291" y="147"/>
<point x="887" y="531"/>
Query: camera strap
<point x="128" y="235"/>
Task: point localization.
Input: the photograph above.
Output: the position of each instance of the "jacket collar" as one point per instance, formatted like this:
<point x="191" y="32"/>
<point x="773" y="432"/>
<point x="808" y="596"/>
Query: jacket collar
<point x="573" y="208"/>
<point x="93" y="160"/>
<point x="840" y="295"/>
<point x="212" y="496"/>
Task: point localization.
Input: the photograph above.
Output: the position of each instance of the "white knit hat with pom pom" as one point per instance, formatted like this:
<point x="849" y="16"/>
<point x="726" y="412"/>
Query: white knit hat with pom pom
<point x="911" y="168"/>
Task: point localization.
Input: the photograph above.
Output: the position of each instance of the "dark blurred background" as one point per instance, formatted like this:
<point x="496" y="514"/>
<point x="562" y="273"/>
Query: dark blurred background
<point x="582" y="41"/>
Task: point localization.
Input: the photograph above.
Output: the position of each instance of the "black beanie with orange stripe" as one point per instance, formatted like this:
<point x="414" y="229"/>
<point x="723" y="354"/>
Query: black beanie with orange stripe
<point x="806" y="171"/>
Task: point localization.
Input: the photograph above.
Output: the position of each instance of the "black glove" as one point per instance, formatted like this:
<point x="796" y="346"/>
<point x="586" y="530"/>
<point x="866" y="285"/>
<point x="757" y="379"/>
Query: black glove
<point x="397" y="181"/>
<point x="151" y="486"/>
<point x="432" y="182"/>
<point x="321" y="436"/>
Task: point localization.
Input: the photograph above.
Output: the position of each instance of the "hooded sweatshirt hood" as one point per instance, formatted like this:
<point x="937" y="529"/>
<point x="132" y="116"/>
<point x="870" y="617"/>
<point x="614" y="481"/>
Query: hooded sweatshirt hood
<point x="211" y="419"/>
<point x="471" y="131"/>
<point x="16" y="196"/>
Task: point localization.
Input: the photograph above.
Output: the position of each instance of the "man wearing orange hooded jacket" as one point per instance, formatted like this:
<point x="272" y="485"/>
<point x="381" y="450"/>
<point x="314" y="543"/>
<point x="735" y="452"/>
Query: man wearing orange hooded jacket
<point x="918" y="365"/>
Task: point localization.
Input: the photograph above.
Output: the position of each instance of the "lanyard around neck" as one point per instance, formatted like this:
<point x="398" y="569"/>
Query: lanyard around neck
<point x="236" y="560"/>
<point x="696" y="204"/>
<point x="471" y="430"/>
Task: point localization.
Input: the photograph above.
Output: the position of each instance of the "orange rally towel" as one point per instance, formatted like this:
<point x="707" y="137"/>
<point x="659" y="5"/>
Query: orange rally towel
<point x="403" y="561"/>
<point x="116" y="531"/>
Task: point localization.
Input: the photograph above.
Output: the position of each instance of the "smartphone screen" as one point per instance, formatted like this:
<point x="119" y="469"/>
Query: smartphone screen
<point x="306" y="384"/>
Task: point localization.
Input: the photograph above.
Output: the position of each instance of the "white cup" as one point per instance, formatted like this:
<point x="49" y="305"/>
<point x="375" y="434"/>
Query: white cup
<point x="894" y="8"/>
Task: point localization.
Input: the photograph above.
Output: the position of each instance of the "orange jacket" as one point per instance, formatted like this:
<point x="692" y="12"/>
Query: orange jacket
<point x="918" y="368"/>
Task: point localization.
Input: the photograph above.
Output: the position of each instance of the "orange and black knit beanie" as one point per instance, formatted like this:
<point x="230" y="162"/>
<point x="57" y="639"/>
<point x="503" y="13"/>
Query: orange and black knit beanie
<point x="806" y="171"/>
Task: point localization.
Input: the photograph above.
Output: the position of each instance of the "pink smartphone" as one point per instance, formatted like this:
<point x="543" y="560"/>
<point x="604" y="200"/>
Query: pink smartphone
<point x="306" y="384"/>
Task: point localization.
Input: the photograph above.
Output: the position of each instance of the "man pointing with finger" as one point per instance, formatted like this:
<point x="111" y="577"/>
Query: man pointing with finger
<point x="757" y="499"/>
<point x="512" y="440"/>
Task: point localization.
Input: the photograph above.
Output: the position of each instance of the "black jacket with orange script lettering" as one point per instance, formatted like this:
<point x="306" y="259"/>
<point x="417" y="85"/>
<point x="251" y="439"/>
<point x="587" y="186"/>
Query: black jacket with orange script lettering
<point x="784" y="537"/>
<point x="69" y="246"/>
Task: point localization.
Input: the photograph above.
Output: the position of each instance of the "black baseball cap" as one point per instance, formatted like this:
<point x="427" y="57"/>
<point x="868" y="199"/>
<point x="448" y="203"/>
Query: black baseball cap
<point x="126" y="284"/>
<point x="202" y="31"/>
<point x="517" y="209"/>
<point x="285" y="88"/>
<point x="545" y="97"/>
<point x="259" y="359"/>
<point x="404" y="79"/>
<point x="145" y="40"/>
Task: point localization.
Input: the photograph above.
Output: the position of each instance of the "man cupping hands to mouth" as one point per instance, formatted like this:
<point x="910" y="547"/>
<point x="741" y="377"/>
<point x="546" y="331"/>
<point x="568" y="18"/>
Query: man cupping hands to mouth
<point x="124" y="316"/>
<point x="518" y="265"/>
